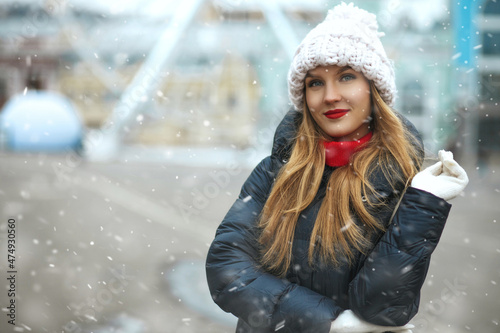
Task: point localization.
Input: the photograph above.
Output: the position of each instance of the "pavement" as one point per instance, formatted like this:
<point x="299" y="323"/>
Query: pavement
<point x="120" y="246"/>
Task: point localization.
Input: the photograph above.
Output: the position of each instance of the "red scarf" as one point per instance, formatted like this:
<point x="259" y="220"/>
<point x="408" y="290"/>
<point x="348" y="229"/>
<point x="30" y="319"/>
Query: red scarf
<point x="338" y="153"/>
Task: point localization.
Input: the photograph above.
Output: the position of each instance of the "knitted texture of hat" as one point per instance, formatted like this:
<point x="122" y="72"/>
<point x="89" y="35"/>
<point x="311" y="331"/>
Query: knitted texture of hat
<point x="348" y="36"/>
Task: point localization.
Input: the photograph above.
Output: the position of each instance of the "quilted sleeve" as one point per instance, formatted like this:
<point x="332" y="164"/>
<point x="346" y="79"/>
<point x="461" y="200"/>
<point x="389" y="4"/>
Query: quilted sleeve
<point x="386" y="290"/>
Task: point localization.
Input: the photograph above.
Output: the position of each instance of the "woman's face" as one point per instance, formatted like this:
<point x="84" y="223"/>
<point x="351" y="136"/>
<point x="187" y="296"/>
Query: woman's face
<point x="339" y="101"/>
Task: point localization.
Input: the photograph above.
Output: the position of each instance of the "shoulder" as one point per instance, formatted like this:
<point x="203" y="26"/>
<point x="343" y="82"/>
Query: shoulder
<point x="259" y="183"/>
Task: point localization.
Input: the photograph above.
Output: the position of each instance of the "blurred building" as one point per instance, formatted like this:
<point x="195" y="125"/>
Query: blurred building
<point x="226" y="79"/>
<point x="489" y="78"/>
<point x="210" y="93"/>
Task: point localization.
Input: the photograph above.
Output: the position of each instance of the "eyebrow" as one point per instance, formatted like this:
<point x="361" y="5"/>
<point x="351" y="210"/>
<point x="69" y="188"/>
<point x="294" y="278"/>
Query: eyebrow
<point x="308" y="74"/>
<point x="343" y="69"/>
<point x="339" y="71"/>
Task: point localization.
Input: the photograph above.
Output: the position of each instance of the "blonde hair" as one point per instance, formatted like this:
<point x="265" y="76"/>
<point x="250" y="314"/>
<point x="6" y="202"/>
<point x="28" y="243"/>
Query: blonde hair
<point x="348" y="193"/>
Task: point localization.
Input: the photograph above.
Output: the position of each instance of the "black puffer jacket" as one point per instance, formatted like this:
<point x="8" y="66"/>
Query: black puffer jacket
<point x="382" y="288"/>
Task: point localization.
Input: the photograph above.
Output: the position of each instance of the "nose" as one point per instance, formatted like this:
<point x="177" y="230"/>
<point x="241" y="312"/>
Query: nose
<point x="332" y="94"/>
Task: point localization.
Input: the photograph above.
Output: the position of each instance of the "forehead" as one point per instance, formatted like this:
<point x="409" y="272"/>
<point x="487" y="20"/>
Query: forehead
<point x="328" y="69"/>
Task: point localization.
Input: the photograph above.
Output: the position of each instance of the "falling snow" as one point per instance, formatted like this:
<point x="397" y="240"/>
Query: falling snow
<point x="105" y="245"/>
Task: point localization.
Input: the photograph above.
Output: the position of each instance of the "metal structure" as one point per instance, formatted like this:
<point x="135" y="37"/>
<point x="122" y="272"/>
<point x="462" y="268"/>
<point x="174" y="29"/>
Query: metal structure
<point x="144" y="82"/>
<point x="106" y="143"/>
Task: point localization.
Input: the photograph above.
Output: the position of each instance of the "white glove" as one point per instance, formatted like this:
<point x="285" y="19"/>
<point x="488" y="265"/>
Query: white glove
<point x="347" y="322"/>
<point x="445" y="179"/>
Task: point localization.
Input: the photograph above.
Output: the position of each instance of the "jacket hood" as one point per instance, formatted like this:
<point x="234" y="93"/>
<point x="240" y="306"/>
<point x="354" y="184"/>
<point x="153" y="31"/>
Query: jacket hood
<point x="285" y="135"/>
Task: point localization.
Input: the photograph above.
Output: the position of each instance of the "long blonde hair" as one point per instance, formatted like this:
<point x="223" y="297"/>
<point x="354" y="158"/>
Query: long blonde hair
<point x="348" y="193"/>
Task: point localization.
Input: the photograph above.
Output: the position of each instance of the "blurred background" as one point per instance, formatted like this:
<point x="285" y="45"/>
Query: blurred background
<point x="128" y="127"/>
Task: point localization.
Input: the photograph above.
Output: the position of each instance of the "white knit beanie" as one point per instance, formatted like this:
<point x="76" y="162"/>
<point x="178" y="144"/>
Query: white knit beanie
<point x="347" y="37"/>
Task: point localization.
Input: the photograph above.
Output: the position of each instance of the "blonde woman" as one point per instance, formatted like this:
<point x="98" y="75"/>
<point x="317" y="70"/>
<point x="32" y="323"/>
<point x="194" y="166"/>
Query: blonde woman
<point x="312" y="244"/>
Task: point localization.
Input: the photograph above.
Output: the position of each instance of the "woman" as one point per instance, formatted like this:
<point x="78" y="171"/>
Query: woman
<point x="311" y="245"/>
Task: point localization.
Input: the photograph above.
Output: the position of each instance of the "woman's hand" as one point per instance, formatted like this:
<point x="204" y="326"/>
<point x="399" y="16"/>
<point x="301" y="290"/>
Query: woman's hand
<point x="445" y="179"/>
<point x="348" y="322"/>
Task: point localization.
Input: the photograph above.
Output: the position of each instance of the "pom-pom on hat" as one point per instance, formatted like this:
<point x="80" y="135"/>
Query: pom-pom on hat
<point x="348" y="36"/>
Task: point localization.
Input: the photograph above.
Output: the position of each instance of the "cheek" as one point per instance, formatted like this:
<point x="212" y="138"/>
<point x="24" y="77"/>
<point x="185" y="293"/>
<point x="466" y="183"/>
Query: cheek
<point x="313" y="102"/>
<point x="362" y="96"/>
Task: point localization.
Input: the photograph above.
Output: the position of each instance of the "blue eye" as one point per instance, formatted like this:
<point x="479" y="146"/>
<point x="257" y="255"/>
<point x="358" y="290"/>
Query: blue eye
<point x="347" y="77"/>
<point x="314" y="83"/>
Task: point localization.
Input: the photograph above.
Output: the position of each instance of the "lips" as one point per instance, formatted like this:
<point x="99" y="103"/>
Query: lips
<point x="337" y="113"/>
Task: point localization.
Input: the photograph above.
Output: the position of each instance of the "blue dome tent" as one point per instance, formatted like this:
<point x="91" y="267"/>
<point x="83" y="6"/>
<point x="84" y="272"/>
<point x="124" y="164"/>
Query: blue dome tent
<point x="40" y="121"/>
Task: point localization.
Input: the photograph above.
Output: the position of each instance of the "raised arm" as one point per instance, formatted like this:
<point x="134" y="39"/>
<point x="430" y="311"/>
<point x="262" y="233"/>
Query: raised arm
<point x="386" y="291"/>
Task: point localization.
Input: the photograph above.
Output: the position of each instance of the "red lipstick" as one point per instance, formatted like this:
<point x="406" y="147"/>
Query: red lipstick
<point x="337" y="113"/>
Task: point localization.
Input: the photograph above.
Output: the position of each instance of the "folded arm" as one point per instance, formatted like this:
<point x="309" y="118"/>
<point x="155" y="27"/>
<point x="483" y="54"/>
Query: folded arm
<point x="240" y="286"/>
